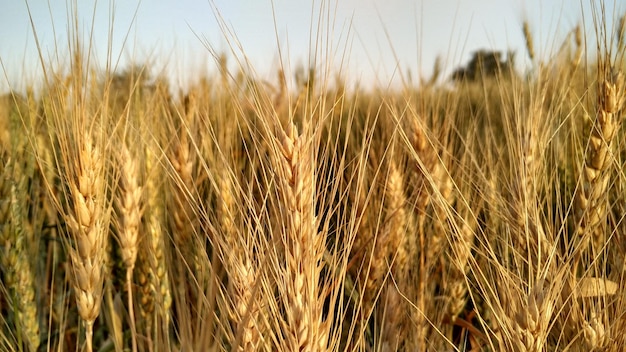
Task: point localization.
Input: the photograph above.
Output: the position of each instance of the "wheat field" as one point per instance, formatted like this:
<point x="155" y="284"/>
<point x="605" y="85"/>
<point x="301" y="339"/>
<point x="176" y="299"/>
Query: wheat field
<point x="479" y="213"/>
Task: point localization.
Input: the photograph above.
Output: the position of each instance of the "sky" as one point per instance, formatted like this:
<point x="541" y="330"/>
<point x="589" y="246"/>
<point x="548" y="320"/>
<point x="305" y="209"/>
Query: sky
<point x="368" y="41"/>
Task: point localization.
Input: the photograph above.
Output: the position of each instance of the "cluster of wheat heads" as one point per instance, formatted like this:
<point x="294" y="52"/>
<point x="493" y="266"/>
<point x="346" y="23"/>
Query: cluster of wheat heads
<point x="486" y="216"/>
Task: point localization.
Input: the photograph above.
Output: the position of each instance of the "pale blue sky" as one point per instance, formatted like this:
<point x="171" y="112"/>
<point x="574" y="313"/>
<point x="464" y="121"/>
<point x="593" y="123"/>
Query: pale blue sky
<point x="165" y="32"/>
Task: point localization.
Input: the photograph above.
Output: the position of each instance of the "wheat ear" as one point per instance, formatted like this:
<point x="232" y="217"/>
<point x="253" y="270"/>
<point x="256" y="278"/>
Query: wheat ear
<point x="528" y="36"/>
<point x="184" y="219"/>
<point x="461" y="240"/>
<point x="428" y="176"/>
<point x="531" y="323"/>
<point x="591" y="203"/>
<point x="152" y="273"/>
<point x="129" y="217"/>
<point x="304" y="245"/>
<point x="238" y="262"/>
<point x="398" y="246"/>
<point x="183" y="186"/>
<point x="17" y="269"/>
<point x="425" y="177"/>
<point x="129" y="205"/>
<point x="89" y="233"/>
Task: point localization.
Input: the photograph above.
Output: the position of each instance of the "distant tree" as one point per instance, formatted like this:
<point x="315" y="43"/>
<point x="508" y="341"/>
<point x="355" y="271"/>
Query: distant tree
<point x="485" y="63"/>
<point x="133" y="84"/>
